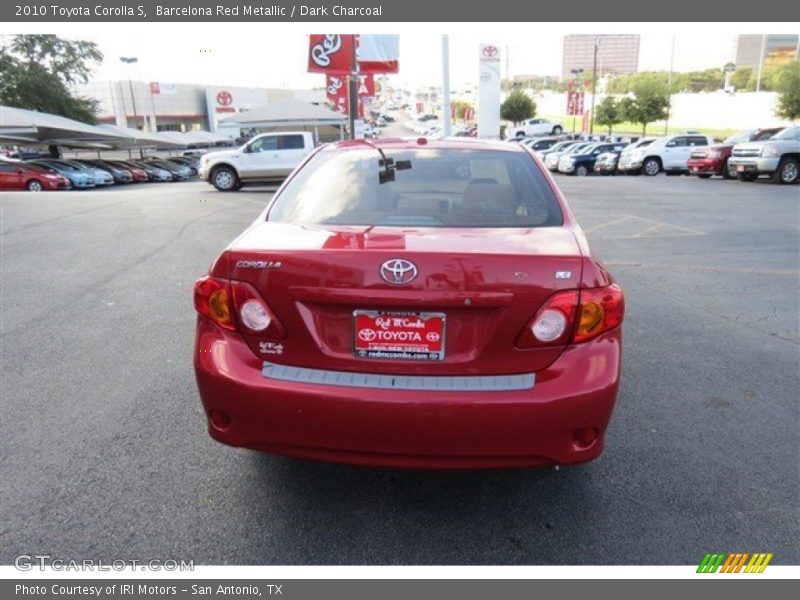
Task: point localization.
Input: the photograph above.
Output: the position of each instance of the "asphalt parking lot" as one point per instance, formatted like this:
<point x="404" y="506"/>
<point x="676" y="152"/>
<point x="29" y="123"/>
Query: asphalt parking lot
<point x="105" y="453"/>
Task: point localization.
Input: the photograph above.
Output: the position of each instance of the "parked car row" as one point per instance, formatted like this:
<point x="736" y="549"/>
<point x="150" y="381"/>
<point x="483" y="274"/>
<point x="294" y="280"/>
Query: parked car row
<point x="746" y="155"/>
<point x="47" y="174"/>
<point x="433" y="128"/>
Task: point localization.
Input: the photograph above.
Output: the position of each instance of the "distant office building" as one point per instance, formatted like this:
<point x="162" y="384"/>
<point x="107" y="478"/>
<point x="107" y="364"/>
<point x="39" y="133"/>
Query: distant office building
<point x="616" y="54"/>
<point x="156" y="106"/>
<point x="778" y="49"/>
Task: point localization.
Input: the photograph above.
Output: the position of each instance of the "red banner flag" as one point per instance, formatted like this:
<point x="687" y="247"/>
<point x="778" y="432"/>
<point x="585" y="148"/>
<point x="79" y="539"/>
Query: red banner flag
<point x="330" y="53"/>
<point x="336" y="89"/>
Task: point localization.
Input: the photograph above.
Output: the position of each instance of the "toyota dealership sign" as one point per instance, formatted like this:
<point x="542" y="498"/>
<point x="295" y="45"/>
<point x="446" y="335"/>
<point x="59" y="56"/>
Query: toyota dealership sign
<point x="489" y="61"/>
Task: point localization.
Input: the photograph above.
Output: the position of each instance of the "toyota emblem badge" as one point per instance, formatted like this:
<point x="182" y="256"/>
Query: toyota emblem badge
<point x="399" y="271"/>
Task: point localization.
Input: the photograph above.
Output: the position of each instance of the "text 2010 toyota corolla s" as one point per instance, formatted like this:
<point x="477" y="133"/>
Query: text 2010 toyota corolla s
<point x="412" y="303"/>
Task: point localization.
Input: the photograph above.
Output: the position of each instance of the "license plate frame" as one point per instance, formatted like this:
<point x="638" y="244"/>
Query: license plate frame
<point x="393" y="336"/>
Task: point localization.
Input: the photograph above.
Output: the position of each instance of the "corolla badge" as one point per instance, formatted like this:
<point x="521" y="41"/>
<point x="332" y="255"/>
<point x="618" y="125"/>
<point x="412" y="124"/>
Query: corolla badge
<point x="398" y="271"/>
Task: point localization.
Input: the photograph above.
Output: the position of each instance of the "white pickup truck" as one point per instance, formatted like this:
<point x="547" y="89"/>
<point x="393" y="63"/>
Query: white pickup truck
<point x="266" y="158"/>
<point x="533" y="128"/>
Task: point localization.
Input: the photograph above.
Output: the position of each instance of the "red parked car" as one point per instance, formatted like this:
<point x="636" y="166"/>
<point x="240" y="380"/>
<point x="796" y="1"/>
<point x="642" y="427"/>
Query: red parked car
<point x="402" y="303"/>
<point x="139" y="175"/>
<point x="713" y="160"/>
<point x="24" y="176"/>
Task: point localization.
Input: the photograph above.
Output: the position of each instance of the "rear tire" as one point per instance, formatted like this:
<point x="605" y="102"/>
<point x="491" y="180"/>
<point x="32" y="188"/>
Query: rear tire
<point x="224" y="179"/>
<point x="788" y="171"/>
<point x="651" y="167"/>
<point x="557" y="130"/>
<point x="581" y="171"/>
<point x="34" y="186"/>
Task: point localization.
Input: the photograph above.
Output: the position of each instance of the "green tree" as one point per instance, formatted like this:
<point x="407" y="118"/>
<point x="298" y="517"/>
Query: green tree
<point x="459" y="108"/>
<point x="787" y="84"/>
<point x="741" y="77"/>
<point x="517" y="107"/>
<point x="650" y="103"/>
<point x="40" y="72"/>
<point x="608" y="113"/>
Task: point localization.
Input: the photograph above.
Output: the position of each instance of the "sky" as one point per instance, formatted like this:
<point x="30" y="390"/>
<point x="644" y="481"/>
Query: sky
<point x="260" y="55"/>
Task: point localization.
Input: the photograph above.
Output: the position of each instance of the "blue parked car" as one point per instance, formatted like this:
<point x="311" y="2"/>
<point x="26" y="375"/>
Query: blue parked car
<point x="101" y="176"/>
<point x="582" y="162"/>
<point x="80" y="178"/>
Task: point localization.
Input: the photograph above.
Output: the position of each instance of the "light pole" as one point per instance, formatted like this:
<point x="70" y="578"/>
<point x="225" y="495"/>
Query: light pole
<point x="594" y="84"/>
<point x="129" y="60"/>
<point x="669" y="85"/>
<point x="446" y="85"/>
<point x="761" y="61"/>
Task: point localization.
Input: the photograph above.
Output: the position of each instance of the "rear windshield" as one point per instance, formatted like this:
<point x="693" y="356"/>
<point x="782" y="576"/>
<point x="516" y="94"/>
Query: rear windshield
<point x="443" y="188"/>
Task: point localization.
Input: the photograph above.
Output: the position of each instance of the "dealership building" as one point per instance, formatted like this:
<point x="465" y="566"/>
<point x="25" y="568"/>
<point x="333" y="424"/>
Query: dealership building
<point x="156" y="106"/>
<point x="617" y="54"/>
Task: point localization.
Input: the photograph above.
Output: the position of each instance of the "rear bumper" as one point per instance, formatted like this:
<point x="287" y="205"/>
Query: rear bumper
<point x="405" y="428"/>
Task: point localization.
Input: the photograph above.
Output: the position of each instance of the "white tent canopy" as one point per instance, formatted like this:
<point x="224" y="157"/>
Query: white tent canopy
<point x="287" y="112"/>
<point x="205" y="137"/>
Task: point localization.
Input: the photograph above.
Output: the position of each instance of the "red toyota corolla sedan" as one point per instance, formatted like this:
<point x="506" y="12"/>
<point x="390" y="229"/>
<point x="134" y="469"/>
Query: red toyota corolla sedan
<point x="412" y="303"/>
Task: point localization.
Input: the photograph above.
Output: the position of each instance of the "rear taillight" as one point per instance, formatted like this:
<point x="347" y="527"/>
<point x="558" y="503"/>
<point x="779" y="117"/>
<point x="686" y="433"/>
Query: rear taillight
<point x="212" y="299"/>
<point x="553" y="323"/>
<point x="254" y="315"/>
<point x="237" y="306"/>
<point x="601" y="309"/>
<point x="574" y="316"/>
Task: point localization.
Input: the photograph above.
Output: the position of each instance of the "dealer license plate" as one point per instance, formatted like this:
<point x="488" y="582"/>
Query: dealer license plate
<point x="399" y="335"/>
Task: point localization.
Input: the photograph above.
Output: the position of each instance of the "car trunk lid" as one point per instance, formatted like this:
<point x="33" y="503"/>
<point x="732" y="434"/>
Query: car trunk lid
<point x="324" y="282"/>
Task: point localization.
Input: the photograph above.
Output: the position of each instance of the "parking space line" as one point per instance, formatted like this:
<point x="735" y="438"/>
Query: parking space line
<point x="607" y="224"/>
<point x="655" y="229"/>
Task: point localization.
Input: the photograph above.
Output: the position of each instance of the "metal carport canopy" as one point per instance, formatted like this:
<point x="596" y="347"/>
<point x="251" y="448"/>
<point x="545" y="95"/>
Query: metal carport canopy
<point x="30" y="126"/>
<point x="286" y="112"/>
<point x="134" y="138"/>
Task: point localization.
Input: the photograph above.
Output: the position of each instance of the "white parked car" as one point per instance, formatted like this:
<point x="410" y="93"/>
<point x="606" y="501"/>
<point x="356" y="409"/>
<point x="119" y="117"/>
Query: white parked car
<point x="534" y="128"/>
<point x="267" y="157"/>
<point x="668" y="154"/>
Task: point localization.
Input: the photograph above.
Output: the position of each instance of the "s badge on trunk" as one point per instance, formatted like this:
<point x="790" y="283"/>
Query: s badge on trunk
<point x="398" y="271"/>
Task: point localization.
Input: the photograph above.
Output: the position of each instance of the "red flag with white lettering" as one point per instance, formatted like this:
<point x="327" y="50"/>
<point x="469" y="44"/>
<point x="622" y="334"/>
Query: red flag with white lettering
<point x="330" y="53"/>
<point x="336" y="89"/>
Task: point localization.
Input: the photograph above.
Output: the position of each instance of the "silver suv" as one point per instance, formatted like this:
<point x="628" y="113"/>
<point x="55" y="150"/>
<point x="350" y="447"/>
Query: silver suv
<point x="778" y="157"/>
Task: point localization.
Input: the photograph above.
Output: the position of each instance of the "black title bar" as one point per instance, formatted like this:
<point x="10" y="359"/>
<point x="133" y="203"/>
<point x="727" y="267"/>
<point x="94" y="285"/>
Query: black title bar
<point x="383" y="11"/>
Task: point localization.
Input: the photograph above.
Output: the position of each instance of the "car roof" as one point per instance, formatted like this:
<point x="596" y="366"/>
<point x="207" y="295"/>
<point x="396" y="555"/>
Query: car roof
<point x="422" y="143"/>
